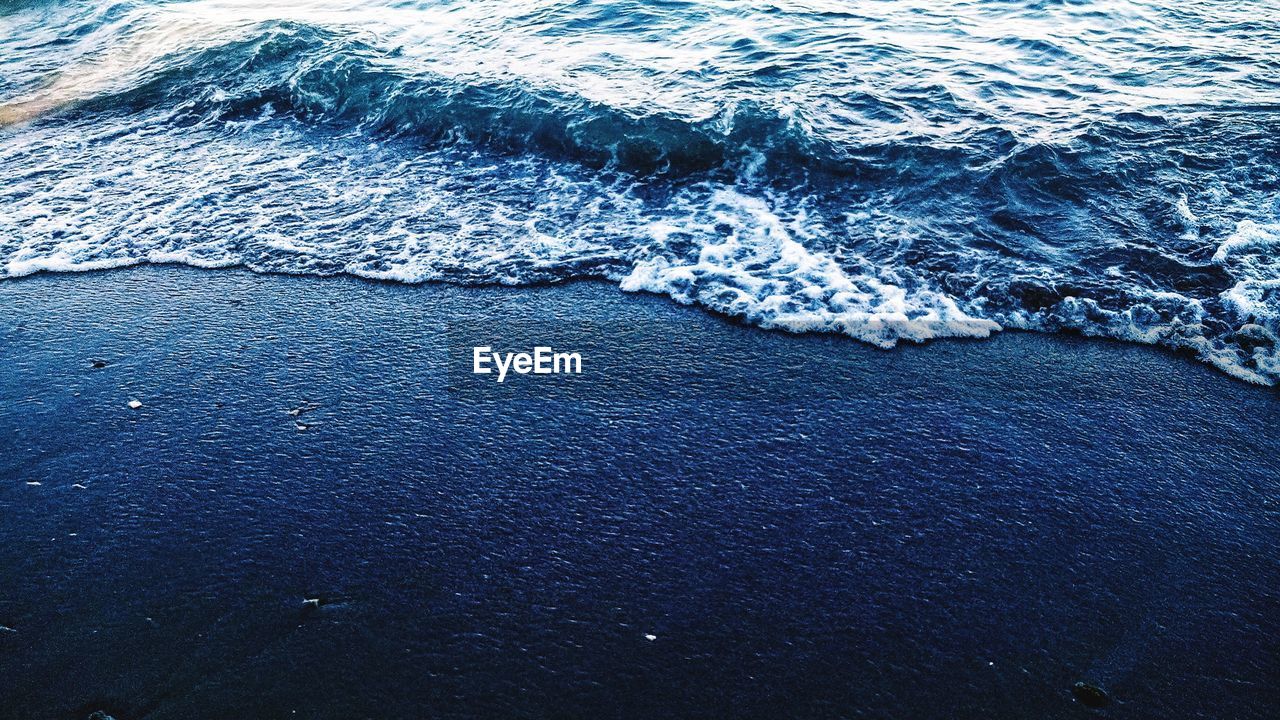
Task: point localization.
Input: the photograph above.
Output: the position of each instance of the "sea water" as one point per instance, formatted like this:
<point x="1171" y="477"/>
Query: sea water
<point x="886" y="170"/>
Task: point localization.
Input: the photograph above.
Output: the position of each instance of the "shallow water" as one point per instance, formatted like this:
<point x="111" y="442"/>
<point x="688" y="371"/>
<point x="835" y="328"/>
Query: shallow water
<point x="887" y="170"/>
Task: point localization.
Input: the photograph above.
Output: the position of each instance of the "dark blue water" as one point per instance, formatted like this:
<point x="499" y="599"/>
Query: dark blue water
<point x="886" y="170"/>
<point x="711" y="522"/>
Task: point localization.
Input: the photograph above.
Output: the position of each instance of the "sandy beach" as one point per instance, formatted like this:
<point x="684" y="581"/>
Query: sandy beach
<point x="316" y="508"/>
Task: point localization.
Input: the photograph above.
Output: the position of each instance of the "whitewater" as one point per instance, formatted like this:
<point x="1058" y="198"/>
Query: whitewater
<point x="885" y="170"/>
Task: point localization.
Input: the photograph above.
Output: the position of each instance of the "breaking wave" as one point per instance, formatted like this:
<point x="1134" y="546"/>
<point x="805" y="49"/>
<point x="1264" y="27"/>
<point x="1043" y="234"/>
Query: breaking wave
<point x="910" y="173"/>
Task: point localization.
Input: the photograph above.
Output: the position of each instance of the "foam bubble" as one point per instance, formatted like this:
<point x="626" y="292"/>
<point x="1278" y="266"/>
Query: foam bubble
<point x="463" y="144"/>
<point x="760" y="273"/>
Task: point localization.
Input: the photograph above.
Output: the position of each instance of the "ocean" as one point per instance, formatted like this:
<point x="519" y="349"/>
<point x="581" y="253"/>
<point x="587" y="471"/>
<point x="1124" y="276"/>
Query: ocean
<point x="247" y="250"/>
<point x="884" y="170"/>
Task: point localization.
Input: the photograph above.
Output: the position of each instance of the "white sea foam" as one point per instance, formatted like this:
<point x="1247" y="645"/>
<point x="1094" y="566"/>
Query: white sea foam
<point x="1251" y="307"/>
<point x="279" y="206"/>
<point x="759" y="272"/>
<point x="1167" y="319"/>
<point x="1252" y="255"/>
<point x="234" y="152"/>
<point x="1251" y="251"/>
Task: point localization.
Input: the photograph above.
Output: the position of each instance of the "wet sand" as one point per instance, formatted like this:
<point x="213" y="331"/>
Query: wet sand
<point x="712" y="520"/>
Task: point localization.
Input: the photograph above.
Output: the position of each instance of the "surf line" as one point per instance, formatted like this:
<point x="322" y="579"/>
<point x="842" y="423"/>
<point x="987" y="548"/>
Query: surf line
<point x="542" y="361"/>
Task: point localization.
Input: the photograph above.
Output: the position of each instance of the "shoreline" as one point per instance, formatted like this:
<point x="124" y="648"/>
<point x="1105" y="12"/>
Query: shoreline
<point x="1066" y="335"/>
